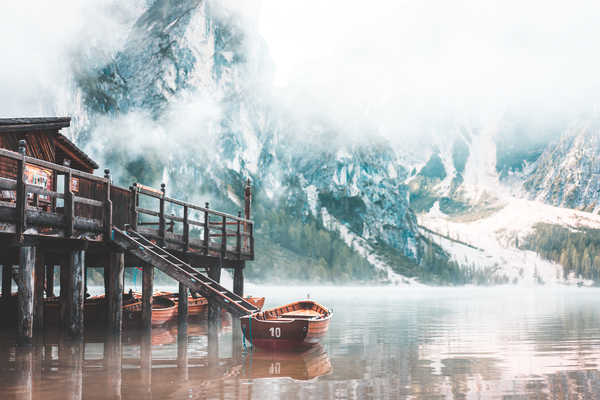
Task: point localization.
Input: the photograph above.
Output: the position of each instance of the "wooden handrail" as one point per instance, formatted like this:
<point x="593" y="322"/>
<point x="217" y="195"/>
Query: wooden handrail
<point x="152" y="193"/>
<point x="47" y="164"/>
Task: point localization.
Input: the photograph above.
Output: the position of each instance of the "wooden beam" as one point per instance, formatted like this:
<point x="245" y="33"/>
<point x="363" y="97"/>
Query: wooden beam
<point x="238" y="280"/>
<point x="6" y="281"/>
<point x="25" y="295"/>
<point x="115" y="291"/>
<point x="214" y="308"/>
<point x="69" y="206"/>
<point x="182" y="309"/>
<point x="75" y="294"/>
<point x="147" y="291"/>
<point x="38" y="297"/>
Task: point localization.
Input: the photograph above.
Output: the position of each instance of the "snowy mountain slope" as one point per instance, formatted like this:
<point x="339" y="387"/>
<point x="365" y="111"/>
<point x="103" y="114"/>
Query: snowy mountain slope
<point x="497" y="233"/>
<point x="567" y="172"/>
<point x="188" y="100"/>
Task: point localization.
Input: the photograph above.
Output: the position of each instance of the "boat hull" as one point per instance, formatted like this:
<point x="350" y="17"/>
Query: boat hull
<point x="284" y="334"/>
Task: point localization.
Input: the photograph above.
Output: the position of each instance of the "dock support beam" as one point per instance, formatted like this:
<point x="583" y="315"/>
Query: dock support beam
<point x="75" y="295"/>
<point x="238" y="280"/>
<point x="25" y="295"/>
<point x="115" y="291"/>
<point x="182" y="310"/>
<point x="214" y="310"/>
<point x="6" y="281"/>
<point x="38" y="295"/>
<point x="147" y="290"/>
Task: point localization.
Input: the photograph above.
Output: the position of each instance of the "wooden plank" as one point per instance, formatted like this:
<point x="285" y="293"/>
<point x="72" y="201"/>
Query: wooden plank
<point x="115" y="291"/>
<point x="8" y="184"/>
<point x="206" y="231"/>
<point x="25" y="295"/>
<point x="148" y="212"/>
<point x="43" y="191"/>
<point x="38" y="297"/>
<point x="89" y="202"/>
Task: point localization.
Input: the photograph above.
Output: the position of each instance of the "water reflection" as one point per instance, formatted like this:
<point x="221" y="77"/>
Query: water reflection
<point x="303" y="366"/>
<point x="434" y="344"/>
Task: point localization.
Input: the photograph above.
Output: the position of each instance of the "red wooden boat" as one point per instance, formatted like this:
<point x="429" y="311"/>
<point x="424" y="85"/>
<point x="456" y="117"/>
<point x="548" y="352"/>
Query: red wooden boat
<point x="199" y="305"/>
<point x="293" y="326"/>
<point x="163" y="310"/>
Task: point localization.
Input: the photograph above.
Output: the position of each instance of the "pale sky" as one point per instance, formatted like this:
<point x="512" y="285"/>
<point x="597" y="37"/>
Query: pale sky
<point x="435" y="54"/>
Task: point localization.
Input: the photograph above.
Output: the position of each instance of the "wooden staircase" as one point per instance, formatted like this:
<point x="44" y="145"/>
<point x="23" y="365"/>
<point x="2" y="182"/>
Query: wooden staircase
<point x="134" y="243"/>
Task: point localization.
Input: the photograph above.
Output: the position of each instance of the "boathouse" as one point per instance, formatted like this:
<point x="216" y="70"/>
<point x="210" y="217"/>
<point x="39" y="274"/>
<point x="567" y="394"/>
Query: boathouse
<point x="54" y="212"/>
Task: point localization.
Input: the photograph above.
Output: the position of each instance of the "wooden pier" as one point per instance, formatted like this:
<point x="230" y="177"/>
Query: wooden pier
<point x="55" y="212"/>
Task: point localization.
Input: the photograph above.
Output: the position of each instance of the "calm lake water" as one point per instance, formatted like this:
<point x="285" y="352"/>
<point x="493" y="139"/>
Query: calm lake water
<point x="390" y="343"/>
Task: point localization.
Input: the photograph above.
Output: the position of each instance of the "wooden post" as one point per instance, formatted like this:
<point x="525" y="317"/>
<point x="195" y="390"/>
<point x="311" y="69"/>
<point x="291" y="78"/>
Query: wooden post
<point x="223" y="238"/>
<point x="182" y="308"/>
<point x="206" y="230"/>
<point x="75" y="294"/>
<point x="247" y="216"/>
<point x="133" y="204"/>
<point x="69" y="204"/>
<point x="238" y="238"/>
<point x="147" y="290"/>
<point x="161" y="221"/>
<point x="115" y="291"/>
<point x="238" y="279"/>
<point x="64" y="291"/>
<point x="25" y="295"/>
<point x="49" y="280"/>
<point x="186" y="229"/>
<point x="38" y="298"/>
<point x="6" y="281"/>
<point x="107" y="208"/>
<point x="214" y="310"/>
<point x="21" y="202"/>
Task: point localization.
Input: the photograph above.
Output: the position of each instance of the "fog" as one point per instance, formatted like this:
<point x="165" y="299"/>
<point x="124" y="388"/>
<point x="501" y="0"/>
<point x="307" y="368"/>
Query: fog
<point x="400" y="69"/>
<point x="401" y="63"/>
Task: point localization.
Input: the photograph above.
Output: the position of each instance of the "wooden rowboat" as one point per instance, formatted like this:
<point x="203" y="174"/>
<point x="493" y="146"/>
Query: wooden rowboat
<point x="293" y="326"/>
<point x="163" y="310"/>
<point x="199" y="305"/>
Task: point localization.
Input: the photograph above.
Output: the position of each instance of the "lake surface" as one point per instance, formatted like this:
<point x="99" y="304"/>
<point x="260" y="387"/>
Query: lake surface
<point x="390" y="343"/>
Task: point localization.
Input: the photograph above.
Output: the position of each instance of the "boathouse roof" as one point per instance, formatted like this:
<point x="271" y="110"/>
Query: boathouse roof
<point x="44" y="140"/>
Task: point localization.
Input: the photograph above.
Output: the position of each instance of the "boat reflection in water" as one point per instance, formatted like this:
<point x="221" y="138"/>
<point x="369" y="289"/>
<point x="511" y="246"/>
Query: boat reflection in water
<point x="305" y="365"/>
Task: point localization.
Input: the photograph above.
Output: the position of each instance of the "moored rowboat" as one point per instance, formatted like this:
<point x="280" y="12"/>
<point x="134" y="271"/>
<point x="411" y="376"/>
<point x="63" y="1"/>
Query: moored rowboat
<point x="293" y="326"/>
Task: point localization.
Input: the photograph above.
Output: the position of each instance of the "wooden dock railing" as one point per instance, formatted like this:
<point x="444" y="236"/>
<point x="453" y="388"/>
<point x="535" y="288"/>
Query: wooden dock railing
<point x="211" y="232"/>
<point x="29" y="197"/>
<point x="83" y="205"/>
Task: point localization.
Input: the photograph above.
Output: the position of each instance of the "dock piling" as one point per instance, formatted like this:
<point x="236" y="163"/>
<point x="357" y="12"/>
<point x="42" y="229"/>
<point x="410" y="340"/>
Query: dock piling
<point x="147" y="290"/>
<point x="75" y="296"/>
<point x="38" y="295"/>
<point x="25" y="295"/>
<point x="114" y="295"/>
<point x="6" y="281"/>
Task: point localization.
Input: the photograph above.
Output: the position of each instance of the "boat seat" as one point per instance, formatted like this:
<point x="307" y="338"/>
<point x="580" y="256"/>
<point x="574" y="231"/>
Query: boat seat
<point x="300" y="314"/>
